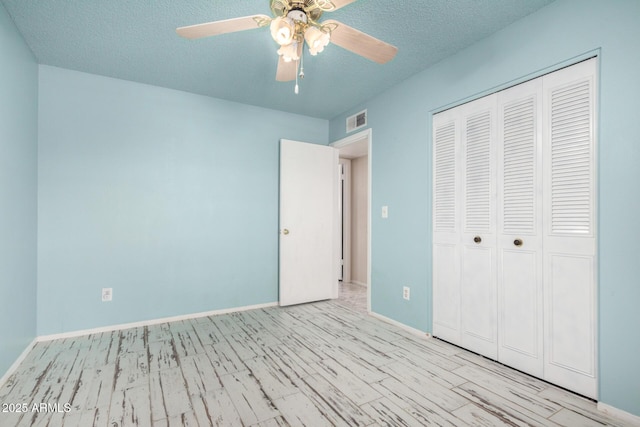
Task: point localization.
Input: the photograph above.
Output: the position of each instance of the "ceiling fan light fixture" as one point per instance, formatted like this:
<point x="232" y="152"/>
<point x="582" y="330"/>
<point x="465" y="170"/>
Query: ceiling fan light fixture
<point x="316" y="39"/>
<point x="294" y="24"/>
<point x="283" y="30"/>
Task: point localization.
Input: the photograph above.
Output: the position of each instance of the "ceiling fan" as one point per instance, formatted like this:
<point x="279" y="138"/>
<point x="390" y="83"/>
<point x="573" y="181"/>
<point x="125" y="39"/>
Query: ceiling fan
<point x="295" y="23"/>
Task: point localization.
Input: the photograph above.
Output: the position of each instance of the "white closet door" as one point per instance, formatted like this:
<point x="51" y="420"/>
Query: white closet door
<point x="446" y="227"/>
<point x="478" y="245"/>
<point x="514" y="255"/>
<point x="569" y="225"/>
<point x="519" y="242"/>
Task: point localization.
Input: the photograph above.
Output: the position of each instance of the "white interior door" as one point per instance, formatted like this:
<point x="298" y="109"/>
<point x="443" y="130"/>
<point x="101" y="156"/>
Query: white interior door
<point x="309" y="222"/>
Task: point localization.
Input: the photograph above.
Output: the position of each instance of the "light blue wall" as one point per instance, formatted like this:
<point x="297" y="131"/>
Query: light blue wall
<point x="169" y="198"/>
<point x="401" y="155"/>
<point x="18" y="192"/>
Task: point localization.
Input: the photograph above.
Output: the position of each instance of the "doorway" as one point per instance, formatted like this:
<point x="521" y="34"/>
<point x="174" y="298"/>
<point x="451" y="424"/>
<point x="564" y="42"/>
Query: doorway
<point x="355" y="206"/>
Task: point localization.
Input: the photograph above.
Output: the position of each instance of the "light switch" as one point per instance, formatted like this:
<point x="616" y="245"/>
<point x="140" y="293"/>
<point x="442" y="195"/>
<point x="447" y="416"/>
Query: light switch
<point x="385" y="212"/>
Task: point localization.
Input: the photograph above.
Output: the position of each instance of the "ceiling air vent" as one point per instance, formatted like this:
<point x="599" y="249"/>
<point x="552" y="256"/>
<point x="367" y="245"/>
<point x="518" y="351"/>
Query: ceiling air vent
<point x="357" y="121"/>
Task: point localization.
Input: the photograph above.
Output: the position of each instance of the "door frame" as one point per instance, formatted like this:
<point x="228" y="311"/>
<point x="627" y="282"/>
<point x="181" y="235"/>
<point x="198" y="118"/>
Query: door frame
<point x="342" y="143"/>
<point x="345" y="209"/>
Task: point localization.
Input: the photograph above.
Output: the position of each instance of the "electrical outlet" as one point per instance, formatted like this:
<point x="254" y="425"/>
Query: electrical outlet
<point x="406" y="293"/>
<point x="107" y="294"/>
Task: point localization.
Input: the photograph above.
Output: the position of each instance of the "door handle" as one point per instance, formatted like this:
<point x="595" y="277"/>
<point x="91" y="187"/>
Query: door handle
<point x="518" y="242"/>
<point x="477" y="239"/>
<point x="285" y="231"/>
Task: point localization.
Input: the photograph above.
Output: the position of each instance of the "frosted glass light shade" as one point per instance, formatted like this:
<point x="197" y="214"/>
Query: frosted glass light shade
<point x="283" y="30"/>
<point x="316" y="39"/>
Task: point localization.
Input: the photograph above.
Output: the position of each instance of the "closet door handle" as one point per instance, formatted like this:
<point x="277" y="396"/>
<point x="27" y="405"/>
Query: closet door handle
<point x="477" y="239"/>
<point x="518" y="242"/>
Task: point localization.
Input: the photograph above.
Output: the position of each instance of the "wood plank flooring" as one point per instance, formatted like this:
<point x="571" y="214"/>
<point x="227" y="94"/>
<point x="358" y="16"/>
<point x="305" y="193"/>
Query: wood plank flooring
<point x="321" y="364"/>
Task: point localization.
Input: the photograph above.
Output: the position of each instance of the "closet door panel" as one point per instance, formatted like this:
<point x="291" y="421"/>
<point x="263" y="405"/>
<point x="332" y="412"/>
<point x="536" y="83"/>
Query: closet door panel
<point x="569" y="226"/>
<point x="521" y="317"/>
<point x="478" y="288"/>
<point x="519" y="241"/>
<point x="446" y="227"/>
<point x="446" y="292"/>
<point x="479" y="316"/>
<point x="571" y="342"/>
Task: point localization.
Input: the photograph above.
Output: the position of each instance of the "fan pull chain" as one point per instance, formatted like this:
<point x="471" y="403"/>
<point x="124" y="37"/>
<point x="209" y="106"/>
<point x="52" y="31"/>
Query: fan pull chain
<point x="301" y="74"/>
<point x="301" y="66"/>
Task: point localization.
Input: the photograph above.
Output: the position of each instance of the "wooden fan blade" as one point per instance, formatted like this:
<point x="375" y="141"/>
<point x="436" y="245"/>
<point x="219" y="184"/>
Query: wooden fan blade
<point x="360" y="43"/>
<point x="341" y="3"/>
<point x="287" y="70"/>
<point x="222" y="27"/>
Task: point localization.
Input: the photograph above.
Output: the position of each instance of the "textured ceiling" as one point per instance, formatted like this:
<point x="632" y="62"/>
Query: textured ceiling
<point x="136" y="40"/>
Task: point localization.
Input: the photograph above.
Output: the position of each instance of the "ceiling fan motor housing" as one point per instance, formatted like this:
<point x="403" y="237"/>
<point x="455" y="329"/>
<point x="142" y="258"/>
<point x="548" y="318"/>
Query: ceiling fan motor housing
<point x="311" y="9"/>
<point x="297" y="15"/>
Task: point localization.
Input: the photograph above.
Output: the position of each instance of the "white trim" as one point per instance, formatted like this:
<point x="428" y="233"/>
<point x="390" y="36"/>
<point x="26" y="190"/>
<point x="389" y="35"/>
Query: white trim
<point x="151" y="322"/>
<point x="17" y="363"/>
<point x="369" y="199"/>
<point x="346" y="219"/>
<point x="619" y="414"/>
<point x="522" y="79"/>
<point x="352" y="138"/>
<point x="368" y="134"/>
<point x="415" y="331"/>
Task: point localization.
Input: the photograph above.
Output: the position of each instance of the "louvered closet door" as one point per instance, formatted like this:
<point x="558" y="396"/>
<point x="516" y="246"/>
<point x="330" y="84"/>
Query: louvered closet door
<point x="478" y="244"/>
<point x="514" y="227"/>
<point x="446" y="227"/>
<point x="520" y="227"/>
<point x="569" y="226"/>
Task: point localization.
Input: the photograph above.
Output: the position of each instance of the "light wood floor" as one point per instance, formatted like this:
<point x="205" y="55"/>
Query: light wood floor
<point x="315" y="364"/>
<point x="353" y="296"/>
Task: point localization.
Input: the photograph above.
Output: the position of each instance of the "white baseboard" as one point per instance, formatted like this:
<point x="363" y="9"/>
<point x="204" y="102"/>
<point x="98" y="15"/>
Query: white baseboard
<point x="17" y="363"/>
<point x="619" y="414"/>
<point x="80" y="333"/>
<point x="400" y="325"/>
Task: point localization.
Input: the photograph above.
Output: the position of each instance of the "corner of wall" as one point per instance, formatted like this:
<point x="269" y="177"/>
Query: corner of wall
<point x="18" y="193"/>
